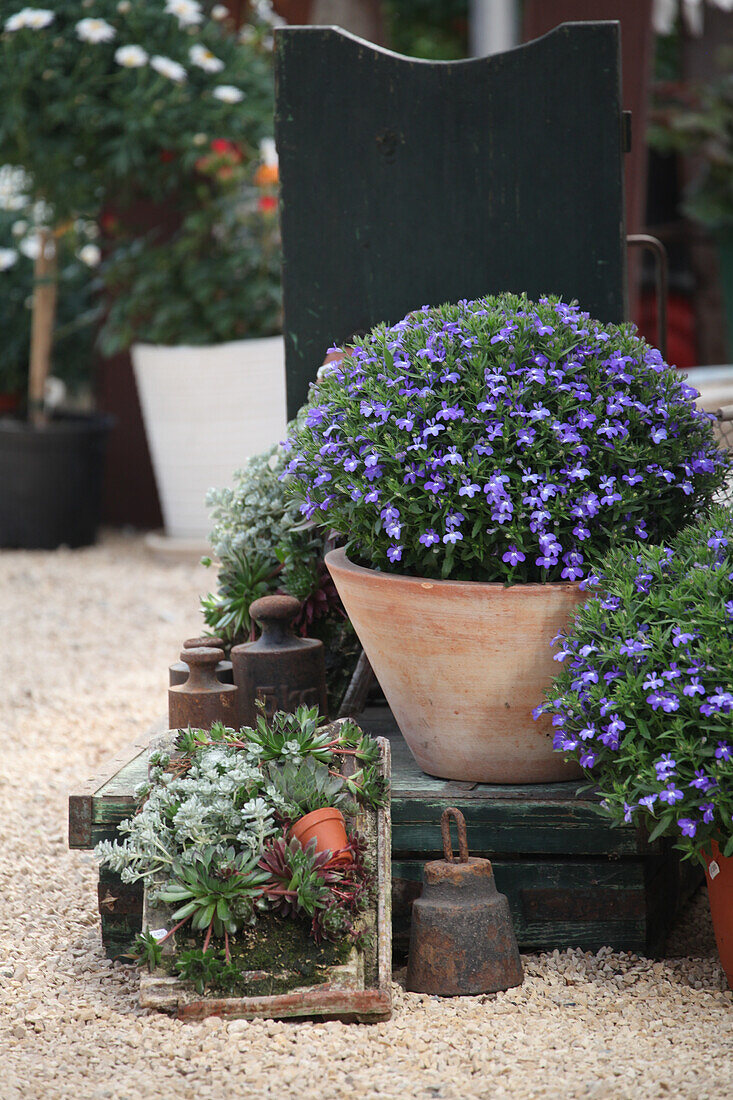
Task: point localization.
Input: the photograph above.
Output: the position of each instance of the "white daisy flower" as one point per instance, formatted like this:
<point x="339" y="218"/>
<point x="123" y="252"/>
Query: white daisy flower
<point x="227" y="93"/>
<point x="268" y="152"/>
<point x="90" y="255"/>
<point x="167" y="67"/>
<point x="8" y="257"/>
<point x="205" y="59"/>
<point x="131" y="57"/>
<point x="219" y="11"/>
<point x="33" y="18"/>
<point x="95" y="30"/>
<point x="187" y="12"/>
<point x="20" y="228"/>
<point x="124" y="6"/>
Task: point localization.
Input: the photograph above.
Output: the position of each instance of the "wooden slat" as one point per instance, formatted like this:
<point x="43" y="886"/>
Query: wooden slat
<point x="82" y="800"/>
<point x="554" y="904"/>
<point x="407" y="182"/>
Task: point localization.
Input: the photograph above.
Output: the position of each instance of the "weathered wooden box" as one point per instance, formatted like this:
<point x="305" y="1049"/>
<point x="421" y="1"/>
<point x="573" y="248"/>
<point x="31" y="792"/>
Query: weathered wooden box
<point x="572" y="880"/>
<point x="356" y="988"/>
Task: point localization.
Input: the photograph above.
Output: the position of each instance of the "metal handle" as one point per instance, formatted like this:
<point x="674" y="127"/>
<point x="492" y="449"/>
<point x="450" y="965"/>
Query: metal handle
<point x="460" y="821"/>
<point x="645" y="240"/>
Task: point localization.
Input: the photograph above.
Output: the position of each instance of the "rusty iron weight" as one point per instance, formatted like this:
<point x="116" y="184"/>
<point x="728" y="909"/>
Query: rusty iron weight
<point x="281" y="670"/>
<point x="462" y="941"/>
<point x="178" y="671"/>
<point x="202" y="699"/>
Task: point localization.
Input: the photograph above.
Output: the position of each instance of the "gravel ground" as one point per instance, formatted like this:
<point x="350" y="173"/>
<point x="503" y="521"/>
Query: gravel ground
<point x="86" y="637"/>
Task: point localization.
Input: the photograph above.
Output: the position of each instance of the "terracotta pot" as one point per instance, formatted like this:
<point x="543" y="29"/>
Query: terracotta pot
<point x="719" y="878"/>
<point x="329" y="829"/>
<point x="462" y="665"/>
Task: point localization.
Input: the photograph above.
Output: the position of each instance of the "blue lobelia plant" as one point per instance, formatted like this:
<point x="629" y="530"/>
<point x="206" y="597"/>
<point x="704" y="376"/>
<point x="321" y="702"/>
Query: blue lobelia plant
<point x="644" y="700"/>
<point x="501" y="440"/>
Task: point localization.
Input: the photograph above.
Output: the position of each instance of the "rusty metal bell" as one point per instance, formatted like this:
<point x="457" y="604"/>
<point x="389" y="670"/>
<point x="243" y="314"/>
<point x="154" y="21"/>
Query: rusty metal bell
<point x="281" y="670"/>
<point x="461" y="939"/>
<point x="202" y="699"/>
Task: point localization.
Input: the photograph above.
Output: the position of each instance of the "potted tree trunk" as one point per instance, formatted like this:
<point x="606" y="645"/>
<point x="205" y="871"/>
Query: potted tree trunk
<point x="477" y="459"/>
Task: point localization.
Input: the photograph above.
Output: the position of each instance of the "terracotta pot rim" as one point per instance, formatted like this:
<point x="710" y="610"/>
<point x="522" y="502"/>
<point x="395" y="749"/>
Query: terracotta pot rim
<point x="339" y="559"/>
<point x="323" y="811"/>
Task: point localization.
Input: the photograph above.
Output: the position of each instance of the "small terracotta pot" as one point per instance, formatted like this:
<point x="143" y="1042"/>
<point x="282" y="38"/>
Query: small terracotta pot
<point x="719" y="879"/>
<point x="462" y="665"/>
<point x="329" y="829"/>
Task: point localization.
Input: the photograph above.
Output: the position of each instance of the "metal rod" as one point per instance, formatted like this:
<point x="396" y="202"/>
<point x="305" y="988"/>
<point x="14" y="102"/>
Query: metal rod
<point x="654" y="245"/>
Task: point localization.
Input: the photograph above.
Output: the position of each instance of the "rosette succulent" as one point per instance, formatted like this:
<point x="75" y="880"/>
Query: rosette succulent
<point x="501" y="440"/>
<point x="644" y="700"/>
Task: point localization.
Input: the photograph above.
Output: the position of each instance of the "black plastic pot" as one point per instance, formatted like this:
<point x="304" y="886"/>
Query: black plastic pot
<point x="51" y="481"/>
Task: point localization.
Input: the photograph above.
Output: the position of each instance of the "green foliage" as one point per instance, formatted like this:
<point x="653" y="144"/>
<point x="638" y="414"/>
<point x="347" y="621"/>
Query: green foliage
<point x="432" y="29"/>
<point x="296" y="881"/>
<point x="291" y="736"/>
<point x="243" y="578"/>
<point x="264" y="546"/>
<point x="207" y="969"/>
<point x="208" y="834"/>
<point x="699" y="123"/>
<point x="85" y="125"/>
<point x="147" y="950"/>
<point x="644" y="700"/>
<point x="308" y="786"/>
<point x="221" y="897"/>
<point x="216" y="278"/>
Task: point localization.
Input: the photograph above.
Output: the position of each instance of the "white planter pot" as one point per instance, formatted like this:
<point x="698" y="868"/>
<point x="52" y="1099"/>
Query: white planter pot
<point x="206" y="410"/>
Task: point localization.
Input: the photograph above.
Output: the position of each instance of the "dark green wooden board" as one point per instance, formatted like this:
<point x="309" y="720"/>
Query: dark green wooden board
<point x="406" y="182"/>
<point x="571" y="879"/>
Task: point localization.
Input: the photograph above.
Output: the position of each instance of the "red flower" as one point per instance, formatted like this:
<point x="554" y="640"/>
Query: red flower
<point x="267" y="204"/>
<point x="166" y="156"/>
<point x="227" y="149"/>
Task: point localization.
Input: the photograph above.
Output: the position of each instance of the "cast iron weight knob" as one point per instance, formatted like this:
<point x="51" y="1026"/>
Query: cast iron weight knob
<point x="202" y="699"/>
<point x="178" y="671"/>
<point x="279" y="669"/>
<point x="275" y="615"/>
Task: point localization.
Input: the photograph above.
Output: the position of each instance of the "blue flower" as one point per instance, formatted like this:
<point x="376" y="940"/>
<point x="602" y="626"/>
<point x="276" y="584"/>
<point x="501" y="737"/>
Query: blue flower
<point x="724" y="751"/>
<point x="452" y="536"/>
<point x="394" y="553"/>
<point x="429" y="537"/>
<point x="688" y="826"/>
<point x="671" y="795"/>
<point x="513" y="556"/>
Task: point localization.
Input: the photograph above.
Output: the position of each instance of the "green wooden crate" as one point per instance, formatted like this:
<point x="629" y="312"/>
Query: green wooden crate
<point x="571" y="879"/>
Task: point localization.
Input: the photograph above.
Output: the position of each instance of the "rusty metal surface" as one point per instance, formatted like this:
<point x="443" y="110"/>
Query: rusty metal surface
<point x="462" y="940"/>
<point x="202" y="699"/>
<point x="178" y="671"/>
<point x="452" y="812"/>
<point x="281" y="670"/>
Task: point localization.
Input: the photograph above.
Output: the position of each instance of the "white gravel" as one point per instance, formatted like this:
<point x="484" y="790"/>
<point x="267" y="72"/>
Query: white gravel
<point x="85" y="640"/>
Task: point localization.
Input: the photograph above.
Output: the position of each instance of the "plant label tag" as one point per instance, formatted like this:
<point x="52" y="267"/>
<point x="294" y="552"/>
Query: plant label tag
<point x="158" y="933"/>
<point x="713" y="869"/>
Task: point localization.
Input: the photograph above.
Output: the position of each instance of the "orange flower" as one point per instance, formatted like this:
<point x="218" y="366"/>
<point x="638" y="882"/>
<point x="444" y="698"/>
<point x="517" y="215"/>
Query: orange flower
<point x="265" y="174"/>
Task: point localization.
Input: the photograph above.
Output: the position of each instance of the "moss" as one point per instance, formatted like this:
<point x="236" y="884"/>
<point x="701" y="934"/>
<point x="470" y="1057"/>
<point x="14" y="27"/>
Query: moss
<point x="276" y="956"/>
